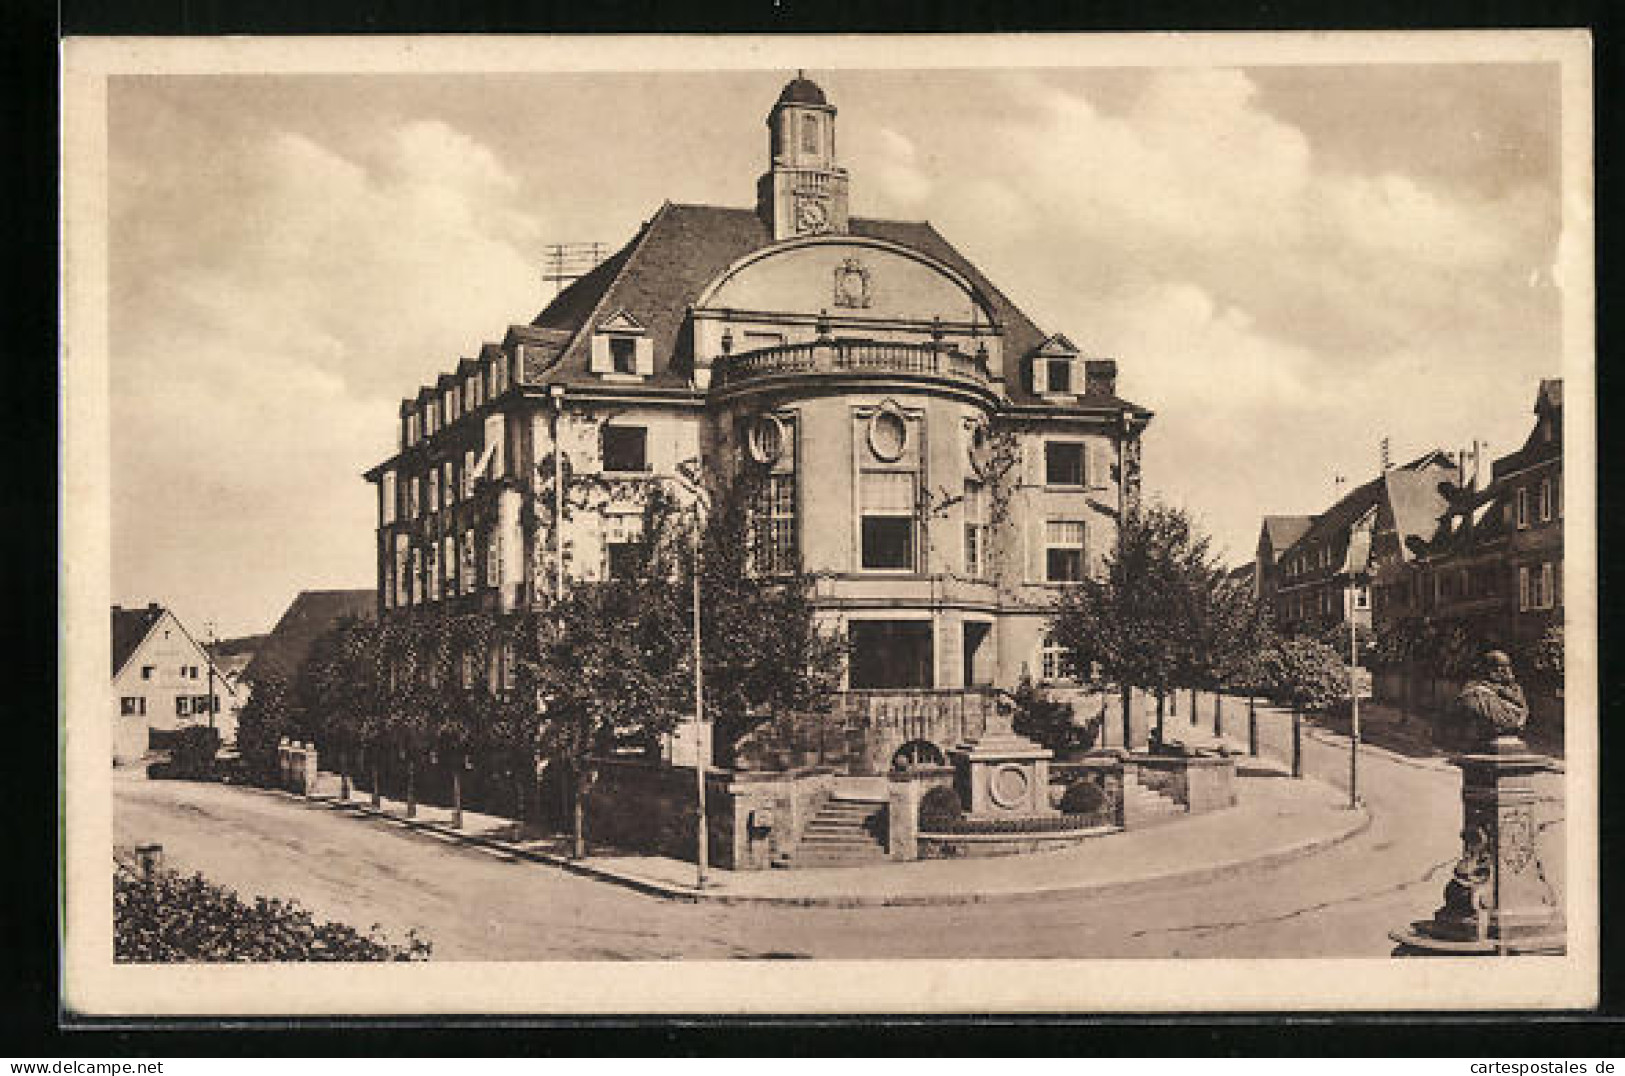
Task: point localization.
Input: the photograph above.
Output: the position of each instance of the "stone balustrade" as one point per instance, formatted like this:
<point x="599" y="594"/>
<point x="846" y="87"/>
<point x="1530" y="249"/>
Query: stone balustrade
<point x="854" y="356"/>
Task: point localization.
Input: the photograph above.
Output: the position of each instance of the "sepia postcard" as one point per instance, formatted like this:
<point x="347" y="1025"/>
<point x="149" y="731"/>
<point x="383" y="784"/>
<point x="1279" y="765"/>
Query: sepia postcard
<point x="1061" y="523"/>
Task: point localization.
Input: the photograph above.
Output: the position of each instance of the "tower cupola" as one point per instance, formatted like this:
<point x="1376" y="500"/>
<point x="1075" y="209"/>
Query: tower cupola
<point x="803" y="191"/>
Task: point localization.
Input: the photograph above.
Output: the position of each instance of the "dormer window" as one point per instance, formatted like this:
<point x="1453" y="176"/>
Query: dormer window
<point x="1054" y="368"/>
<point x="621" y="348"/>
<point x="1059" y="375"/>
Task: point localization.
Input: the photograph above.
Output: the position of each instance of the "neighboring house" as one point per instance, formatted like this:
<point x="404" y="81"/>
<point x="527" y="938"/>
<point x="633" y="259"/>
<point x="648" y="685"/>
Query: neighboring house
<point x="868" y="369"/>
<point x="1275" y="536"/>
<point x="162" y="680"/>
<point x="312" y="613"/>
<point x="1324" y="576"/>
<point x="1495" y="556"/>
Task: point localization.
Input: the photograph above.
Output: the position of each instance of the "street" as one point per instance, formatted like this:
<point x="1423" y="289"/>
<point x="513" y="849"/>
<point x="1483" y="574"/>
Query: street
<point x="473" y="905"/>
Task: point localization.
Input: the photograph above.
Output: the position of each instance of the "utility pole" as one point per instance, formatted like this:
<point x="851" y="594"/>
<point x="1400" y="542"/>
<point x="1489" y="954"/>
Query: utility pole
<point x="209" y="654"/>
<point x="1354" y="707"/>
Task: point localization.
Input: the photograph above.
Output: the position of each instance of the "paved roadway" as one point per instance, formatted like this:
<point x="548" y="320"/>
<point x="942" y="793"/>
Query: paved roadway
<point x="476" y="906"/>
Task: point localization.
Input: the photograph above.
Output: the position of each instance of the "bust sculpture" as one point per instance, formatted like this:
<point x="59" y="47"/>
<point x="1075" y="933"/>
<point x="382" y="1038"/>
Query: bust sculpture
<point x="1491" y="705"/>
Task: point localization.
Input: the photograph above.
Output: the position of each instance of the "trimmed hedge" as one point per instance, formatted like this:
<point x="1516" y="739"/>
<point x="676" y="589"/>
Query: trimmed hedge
<point x="192" y="755"/>
<point x="163" y="916"/>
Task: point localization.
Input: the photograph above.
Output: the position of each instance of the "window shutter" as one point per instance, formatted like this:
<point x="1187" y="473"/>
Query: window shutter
<point x="600" y="361"/>
<point x="1547" y="598"/>
<point x="646" y="356"/>
<point x="1523" y="589"/>
<point x="495" y="434"/>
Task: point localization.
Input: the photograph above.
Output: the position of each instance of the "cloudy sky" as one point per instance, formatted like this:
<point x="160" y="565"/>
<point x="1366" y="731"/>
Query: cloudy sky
<point x="1288" y="263"/>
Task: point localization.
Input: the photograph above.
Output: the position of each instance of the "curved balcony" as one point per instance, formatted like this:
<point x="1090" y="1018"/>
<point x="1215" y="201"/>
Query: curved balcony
<point x="822" y="357"/>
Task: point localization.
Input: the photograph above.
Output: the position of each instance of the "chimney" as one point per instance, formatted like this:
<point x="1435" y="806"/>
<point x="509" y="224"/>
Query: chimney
<point x="1100" y="377"/>
<point x="152" y="607"/>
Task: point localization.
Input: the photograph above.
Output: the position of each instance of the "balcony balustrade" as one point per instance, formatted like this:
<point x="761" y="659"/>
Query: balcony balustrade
<point x="854" y="356"/>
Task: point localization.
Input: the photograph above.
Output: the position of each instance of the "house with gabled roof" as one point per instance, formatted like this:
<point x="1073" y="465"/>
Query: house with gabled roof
<point x="861" y="367"/>
<point x="1324" y="577"/>
<point x="311" y="614"/>
<point x="163" y="680"/>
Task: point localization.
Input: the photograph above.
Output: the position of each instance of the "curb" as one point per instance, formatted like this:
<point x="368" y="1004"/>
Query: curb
<point x="1199" y="875"/>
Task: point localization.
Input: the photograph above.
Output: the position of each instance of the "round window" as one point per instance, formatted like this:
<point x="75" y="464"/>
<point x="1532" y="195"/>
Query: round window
<point x="764" y="438"/>
<point x="888" y="434"/>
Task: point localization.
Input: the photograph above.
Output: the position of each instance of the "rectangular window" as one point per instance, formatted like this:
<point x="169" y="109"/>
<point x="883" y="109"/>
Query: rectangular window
<point x="890" y="653"/>
<point x="975" y="529"/>
<point x="183" y="706"/>
<point x="1523" y="507"/>
<point x="888" y="499"/>
<point x="623" y="354"/>
<point x="1063" y="551"/>
<point x="1060" y="375"/>
<point x="1543" y="502"/>
<point x="469" y="460"/>
<point x="434" y="490"/>
<point x="448" y="563"/>
<point x="387" y="506"/>
<point x="773" y="545"/>
<point x="448" y="483"/>
<point x="1063" y="463"/>
<point x="1052" y="662"/>
<point x="432" y="567"/>
<point x="493" y="560"/>
<point x="1546" y="597"/>
<point x="625" y="448"/>
<point x="132" y="706"/>
<point x="470" y="575"/>
<point x="1523" y="589"/>
<point x="147" y="671"/>
<point x="623" y="535"/>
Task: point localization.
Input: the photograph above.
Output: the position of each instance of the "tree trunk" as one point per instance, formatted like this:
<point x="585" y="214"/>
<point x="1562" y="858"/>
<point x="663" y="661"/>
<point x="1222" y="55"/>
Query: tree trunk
<point x="344" y="775"/>
<point x="1218" y="715"/>
<point x="457" y="794"/>
<point x="519" y="807"/>
<point x="411" y="788"/>
<point x="1252" y="724"/>
<point x="578" y="817"/>
<point x="1297" y="742"/>
<point x="377" y="783"/>
<point x="1128" y="717"/>
<point x="1195" y="717"/>
<point x="1162" y="710"/>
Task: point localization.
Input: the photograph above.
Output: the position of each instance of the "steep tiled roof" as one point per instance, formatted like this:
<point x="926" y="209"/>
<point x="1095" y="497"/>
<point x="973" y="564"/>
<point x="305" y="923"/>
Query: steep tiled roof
<point x="1283" y="531"/>
<point x="1417" y="504"/>
<point x="312" y="613"/>
<point x="130" y="627"/>
<point x="661" y="272"/>
<point x="1408" y="479"/>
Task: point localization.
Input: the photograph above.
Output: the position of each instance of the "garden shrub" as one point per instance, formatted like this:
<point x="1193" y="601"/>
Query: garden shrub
<point x="939" y="809"/>
<point x="162" y="916"/>
<point x="1082" y="798"/>
<point x="193" y="751"/>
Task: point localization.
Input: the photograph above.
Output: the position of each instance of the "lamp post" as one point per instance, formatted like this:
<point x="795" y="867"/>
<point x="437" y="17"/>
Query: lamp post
<point x="1356" y="582"/>
<point x="702" y="849"/>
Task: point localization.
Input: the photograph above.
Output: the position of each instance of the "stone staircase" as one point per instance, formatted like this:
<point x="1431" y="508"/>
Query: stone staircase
<point x="844" y="832"/>
<point x="1150" y="806"/>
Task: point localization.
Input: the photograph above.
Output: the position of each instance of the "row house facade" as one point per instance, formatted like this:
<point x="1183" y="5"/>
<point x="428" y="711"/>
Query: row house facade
<point x="1495" y="555"/>
<point x="938" y="464"/>
<point x="1319" y="570"/>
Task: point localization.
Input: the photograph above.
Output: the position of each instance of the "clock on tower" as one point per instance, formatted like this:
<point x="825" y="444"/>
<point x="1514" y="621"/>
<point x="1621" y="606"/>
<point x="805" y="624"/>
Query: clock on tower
<point x="812" y="216"/>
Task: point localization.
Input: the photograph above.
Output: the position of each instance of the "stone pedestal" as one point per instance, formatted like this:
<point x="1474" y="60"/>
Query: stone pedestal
<point x="1498" y="900"/>
<point x="1002" y="775"/>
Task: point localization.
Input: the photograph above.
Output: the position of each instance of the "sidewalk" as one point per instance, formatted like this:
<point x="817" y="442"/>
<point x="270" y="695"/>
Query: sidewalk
<point x="1276" y="819"/>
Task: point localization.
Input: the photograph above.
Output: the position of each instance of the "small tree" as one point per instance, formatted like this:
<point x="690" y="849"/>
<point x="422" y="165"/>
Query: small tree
<point x="1141" y="620"/>
<point x="336" y="685"/>
<point x="270" y="715"/>
<point x="1048" y="721"/>
<point x="1306" y="673"/>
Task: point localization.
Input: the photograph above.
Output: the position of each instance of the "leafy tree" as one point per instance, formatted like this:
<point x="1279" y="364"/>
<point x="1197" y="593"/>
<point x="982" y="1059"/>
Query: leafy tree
<point x="337" y="684"/>
<point x="1143" y="620"/>
<point x="270" y="714"/>
<point x="1306" y="673"/>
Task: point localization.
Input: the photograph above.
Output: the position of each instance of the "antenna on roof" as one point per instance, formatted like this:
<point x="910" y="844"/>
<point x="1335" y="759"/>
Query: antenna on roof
<point x="564" y="263"/>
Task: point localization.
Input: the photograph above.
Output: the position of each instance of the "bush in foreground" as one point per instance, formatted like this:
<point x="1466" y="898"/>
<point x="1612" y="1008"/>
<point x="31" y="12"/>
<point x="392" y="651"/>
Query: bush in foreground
<point x="163" y="916"/>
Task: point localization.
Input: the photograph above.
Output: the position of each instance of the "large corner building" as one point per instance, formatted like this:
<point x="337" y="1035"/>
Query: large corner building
<point x="877" y="375"/>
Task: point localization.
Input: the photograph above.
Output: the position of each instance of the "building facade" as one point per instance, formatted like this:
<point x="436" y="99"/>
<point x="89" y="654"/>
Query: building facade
<point x="1494" y="555"/>
<point x="1324" y="577"/>
<point x="163" y="680"/>
<point x="936" y="463"/>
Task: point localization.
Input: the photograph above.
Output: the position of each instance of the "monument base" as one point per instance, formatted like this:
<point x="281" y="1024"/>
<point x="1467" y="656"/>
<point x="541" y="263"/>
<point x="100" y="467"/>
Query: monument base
<point x="1421" y="940"/>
